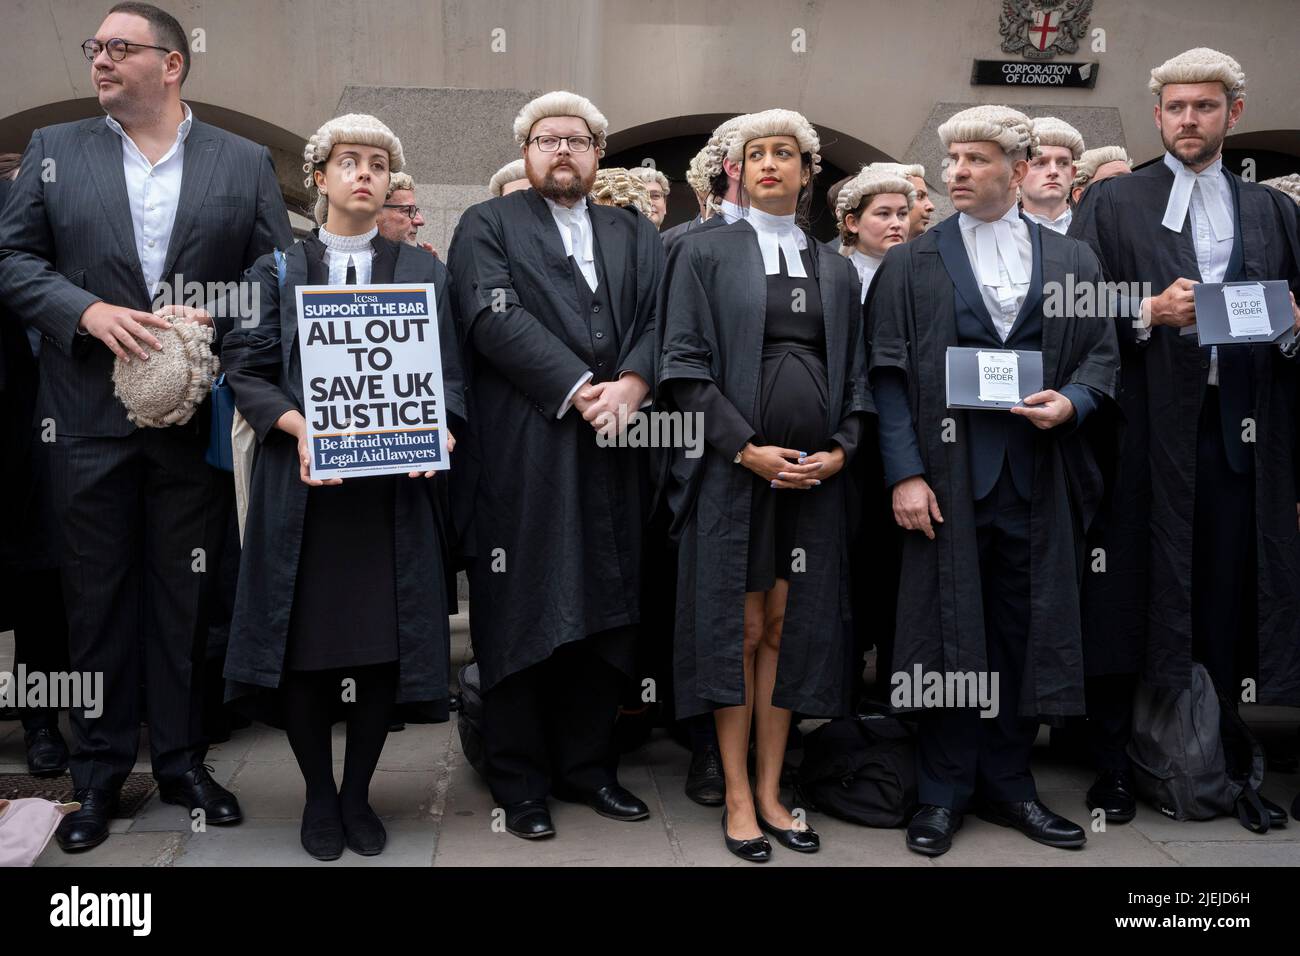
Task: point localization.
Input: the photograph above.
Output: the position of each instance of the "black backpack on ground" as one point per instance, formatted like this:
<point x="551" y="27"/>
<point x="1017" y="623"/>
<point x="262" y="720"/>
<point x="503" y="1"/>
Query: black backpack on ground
<point x="861" y="769"/>
<point x="469" y="722"/>
<point x="1193" y="757"/>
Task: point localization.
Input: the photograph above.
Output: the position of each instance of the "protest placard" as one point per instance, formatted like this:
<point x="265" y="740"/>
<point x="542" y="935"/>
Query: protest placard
<point x="371" y="379"/>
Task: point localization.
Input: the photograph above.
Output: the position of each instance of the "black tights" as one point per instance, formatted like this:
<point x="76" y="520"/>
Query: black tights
<point x="310" y="702"/>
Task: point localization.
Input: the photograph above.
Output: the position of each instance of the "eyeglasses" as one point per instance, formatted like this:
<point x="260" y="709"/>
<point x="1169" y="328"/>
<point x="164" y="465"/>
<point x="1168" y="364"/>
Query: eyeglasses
<point x="549" y="144"/>
<point x="117" y="48"/>
<point x="410" y="209"/>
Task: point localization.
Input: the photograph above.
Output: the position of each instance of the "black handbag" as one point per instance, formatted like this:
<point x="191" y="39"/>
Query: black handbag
<point x="861" y="769"/>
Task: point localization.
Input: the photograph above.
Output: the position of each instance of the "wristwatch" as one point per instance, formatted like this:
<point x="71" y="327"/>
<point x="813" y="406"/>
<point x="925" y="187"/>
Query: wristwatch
<point x="736" y="460"/>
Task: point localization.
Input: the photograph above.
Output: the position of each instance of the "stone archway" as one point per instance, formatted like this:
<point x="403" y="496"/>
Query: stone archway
<point x="672" y="142"/>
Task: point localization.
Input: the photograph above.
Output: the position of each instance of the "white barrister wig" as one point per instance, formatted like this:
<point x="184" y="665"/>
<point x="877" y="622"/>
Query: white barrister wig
<point x="1052" y="131"/>
<point x="697" y="176"/>
<point x="867" y="183"/>
<point x="505" y="175"/>
<point x="1093" y="159"/>
<point x="1010" y="129"/>
<point x="1289" y="184"/>
<point x="167" y="389"/>
<point x="399" y="181"/>
<point x="907" y="170"/>
<point x="720" y="144"/>
<point x="1201" y="65"/>
<point x="617" y="186"/>
<point x="776" y="122"/>
<point x="560" y="103"/>
<point x="648" y="175"/>
<point x="358" y="128"/>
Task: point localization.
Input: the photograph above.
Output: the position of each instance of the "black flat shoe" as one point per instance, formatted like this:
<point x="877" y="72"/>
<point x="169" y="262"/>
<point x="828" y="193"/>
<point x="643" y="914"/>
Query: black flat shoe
<point x="529" y="819"/>
<point x="322" y="835"/>
<point x="47" y="754"/>
<point x="753" y="850"/>
<point x="87" y="827"/>
<point x="364" y="831"/>
<point x="196" y="790"/>
<point x="1112" y="792"/>
<point x="1037" y="822"/>
<point x="705" y="783"/>
<point x="802" y="841"/>
<point x="930" y="830"/>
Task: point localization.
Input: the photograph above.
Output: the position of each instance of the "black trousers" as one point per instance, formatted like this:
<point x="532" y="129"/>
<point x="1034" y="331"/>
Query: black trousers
<point x="40" y="633"/>
<point x="552" y="724"/>
<point x="960" y="753"/>
<point x="1110" y="719"/>
<point x="132" y="514"/>
<point x="1223" y="554"/>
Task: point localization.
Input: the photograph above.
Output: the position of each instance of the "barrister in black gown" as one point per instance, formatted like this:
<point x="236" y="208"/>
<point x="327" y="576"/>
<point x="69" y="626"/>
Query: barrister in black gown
<point x="342" y="592"/>
<point x="995" y="502"/>
<point x="762" y="337"/>
<point x="1199" y="532"/>
<point x="555" y="303"/>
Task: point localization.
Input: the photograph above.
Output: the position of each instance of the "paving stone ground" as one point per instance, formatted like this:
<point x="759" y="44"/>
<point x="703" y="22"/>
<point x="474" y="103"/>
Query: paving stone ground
<point x="439" y="813"/>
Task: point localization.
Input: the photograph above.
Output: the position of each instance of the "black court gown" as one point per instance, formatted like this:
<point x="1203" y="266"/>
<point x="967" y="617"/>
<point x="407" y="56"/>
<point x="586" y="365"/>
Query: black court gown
<point x="345" y="599"/>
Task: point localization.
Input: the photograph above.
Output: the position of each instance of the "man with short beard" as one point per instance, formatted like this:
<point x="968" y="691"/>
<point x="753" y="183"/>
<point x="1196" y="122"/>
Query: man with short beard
<point x="1199" y="537"/>
<point x="1045" y="196"/>
<point x="555" y="300"/>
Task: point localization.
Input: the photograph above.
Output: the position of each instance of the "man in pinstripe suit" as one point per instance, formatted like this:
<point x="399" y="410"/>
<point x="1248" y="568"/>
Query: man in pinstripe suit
<point x="105" y="215"/>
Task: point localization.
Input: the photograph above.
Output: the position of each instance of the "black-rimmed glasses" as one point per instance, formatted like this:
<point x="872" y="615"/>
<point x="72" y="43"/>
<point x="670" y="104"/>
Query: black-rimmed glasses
<point x="549" y="144"/>
<point x="411" y="209"/>
<point x="117" y="48"/>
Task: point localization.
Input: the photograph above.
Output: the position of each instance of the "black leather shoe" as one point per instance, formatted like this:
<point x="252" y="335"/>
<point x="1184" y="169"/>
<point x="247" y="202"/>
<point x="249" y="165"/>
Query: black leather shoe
<point x="529" y="819"/>
<point x="1037" y="822"/>
<point x="87" y="827"/>
<point x="322" y="833"/>
<point x="611" y="801"/>
<point x="196" y="789"/>
<point x="753" y="850"/>
<point x="1276" y="815"/>
<point x="930" y="830"/>
<point x="804" y="841"/>
<point x="704" y="781"/>
<point x="364" y="831"/>
<point x="1112" y="792"/>
<point x="47" y="754"/>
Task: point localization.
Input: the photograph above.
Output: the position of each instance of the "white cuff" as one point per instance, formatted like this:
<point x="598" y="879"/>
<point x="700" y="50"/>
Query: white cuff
<point x="568" y="399"/>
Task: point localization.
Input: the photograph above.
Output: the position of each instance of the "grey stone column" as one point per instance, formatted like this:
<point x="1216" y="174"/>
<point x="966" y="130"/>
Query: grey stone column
<point x="453" y="140"/>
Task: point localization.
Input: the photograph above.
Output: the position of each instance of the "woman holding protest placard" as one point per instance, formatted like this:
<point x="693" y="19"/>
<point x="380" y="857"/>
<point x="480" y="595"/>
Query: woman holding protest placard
<point x="343" y="586"/>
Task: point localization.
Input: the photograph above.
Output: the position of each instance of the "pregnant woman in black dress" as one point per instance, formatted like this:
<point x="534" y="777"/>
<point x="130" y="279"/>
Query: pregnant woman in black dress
<point x="763" y="338"/>
<point x="342" y="597"/>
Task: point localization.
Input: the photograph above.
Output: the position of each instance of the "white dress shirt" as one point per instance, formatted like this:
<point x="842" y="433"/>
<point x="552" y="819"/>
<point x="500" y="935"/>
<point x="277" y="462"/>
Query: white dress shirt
<point x="344" y="251"/>
<point x="730" y="211"/>
<point x="153" y="191"/>
<point x="776" y="235"/>
<point x="866" y="266"/>
<point x="1060" y="224"/>
<point x="1207" y="195"/>
<point x="574" y="224"/>
<point x="1002" y="258"/>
